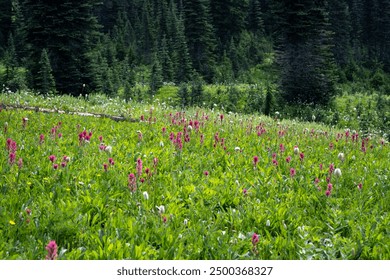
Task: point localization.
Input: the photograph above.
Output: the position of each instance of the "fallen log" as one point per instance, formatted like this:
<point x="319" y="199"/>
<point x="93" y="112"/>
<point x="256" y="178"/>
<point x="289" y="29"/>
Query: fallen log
<point x="45" y="110"/>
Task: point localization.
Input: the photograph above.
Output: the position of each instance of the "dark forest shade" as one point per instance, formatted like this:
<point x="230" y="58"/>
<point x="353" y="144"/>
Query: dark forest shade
<point x="108" y="45"/>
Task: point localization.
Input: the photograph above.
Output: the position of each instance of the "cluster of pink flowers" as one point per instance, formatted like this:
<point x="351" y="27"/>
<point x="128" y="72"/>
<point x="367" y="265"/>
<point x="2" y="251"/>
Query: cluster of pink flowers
<point x="11" y="147"/>
<point x="329" y="190"/>
<point x="84" y="137"/>
<point x="64" y="162"/>
<point x="54" y="130"/>
<point x="110" y="163"/>
<point x="260" y="130"/>
<point x="176" y="140"/>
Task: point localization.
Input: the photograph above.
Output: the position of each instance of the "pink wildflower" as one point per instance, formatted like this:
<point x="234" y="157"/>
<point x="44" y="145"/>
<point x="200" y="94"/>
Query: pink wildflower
<point x="111" y="161"/>
<point x="52" y="158"/>
<point x="288" y="159"/>
<point x="139" y="167"/>
<point x="360" y="186"/>
<point x="155" y="162"/>
<point x="55" y="166"/>
<point x="105" y="166"/>
<point x="255" y="160"/>
<point x="20" y="163"/>
<point x="255" y="239"/>
<point x="206" y="173"/>
<point x="41" y="138"/>
<point x="292" y="172"/>
<point x="12" y="157"/>
<point x="331" y="168"/>
<point x="51" y="250"/>
<point x="132" y="182"/>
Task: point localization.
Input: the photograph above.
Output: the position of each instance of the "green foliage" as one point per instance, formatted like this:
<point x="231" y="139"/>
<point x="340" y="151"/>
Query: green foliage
<point x="92" y="213"/>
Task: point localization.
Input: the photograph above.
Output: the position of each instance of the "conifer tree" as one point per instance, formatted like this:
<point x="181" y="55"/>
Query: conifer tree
<point x="68" y="31"/>
<point x="255" y="21"/>
<point x="200" y="36"/>
<point x="156" y="79"/>
<point x="305" y="53"/>
<point x="181" y="57"/>
<point x="45" y="81"/>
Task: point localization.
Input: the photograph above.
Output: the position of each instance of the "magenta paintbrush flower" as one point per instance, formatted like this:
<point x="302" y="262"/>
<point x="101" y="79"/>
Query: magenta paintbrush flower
<point x="52" y="158"/>
<point x="51" y="250"/>
<point x="255" y="160"/>
<point x="255" y="239"/>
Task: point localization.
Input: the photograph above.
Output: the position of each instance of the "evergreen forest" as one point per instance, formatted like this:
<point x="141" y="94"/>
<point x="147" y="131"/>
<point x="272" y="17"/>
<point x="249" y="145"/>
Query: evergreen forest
<point x="299" y="51"/>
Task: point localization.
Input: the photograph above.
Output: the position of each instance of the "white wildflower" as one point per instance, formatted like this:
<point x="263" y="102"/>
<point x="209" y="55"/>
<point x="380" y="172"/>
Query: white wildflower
<point x="267" y="223"/>
<point x="185" y="222"/>
<point x="161" y="209"/>
<point x="241" y="236"/>
<point x="146" y="195"/>
<point x="108" y="149"/>
<point x="296" y="150"/>
<point x="341" y="156"/>
<point x="237" y="149"/>
<point x="337" y="172"/>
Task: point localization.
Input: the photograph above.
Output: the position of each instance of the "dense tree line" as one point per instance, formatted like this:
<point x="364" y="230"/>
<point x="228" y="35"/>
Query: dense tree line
<point x="82" y="46"/>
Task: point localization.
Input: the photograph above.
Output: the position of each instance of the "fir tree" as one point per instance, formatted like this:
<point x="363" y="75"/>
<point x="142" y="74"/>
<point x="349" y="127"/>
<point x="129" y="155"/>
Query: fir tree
<point x="156" y="79"/>
<point x="305" y="53"/>
<point x="68" y="31"/>
<point x="45" y="81"/>
<point x="181" y="58"/>
<point x="200" y="35"/>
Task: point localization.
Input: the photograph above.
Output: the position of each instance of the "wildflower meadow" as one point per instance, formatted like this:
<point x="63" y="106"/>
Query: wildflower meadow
<point x="196" y="184"/>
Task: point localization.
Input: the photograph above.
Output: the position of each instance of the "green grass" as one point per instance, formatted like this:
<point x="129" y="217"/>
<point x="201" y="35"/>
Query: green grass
<point x="93" y="214"/>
